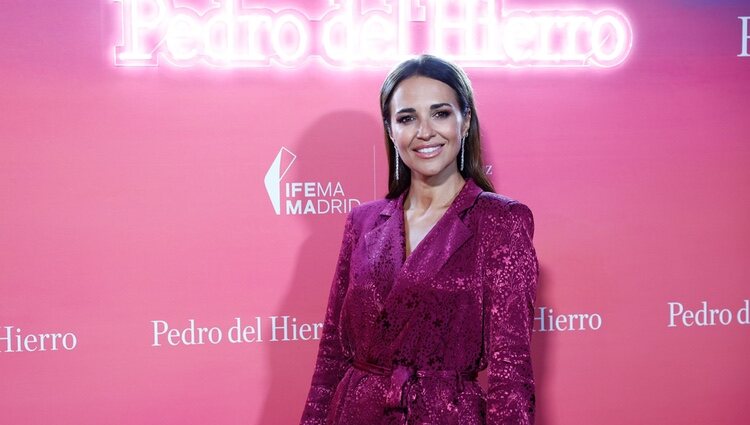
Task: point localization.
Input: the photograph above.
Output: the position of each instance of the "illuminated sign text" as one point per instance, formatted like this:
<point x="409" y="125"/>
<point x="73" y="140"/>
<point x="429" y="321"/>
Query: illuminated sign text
<point x="745" y="36"/>
<point x="474" y="33"/>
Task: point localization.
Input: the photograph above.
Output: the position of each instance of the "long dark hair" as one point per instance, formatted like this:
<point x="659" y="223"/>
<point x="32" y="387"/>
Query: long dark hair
<point x="438" y="69"/>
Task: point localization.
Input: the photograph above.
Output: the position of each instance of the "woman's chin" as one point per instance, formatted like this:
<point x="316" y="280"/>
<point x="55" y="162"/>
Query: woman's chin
<point x="429" y="173"/>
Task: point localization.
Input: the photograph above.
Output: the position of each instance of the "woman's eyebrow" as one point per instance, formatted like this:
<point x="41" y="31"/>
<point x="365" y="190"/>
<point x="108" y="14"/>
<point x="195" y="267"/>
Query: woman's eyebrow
<point x="439" y="105"/>
<point x="412" y="110"/>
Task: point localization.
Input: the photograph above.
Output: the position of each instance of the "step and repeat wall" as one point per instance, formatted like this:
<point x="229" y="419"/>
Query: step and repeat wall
<point x="175" y="176"/>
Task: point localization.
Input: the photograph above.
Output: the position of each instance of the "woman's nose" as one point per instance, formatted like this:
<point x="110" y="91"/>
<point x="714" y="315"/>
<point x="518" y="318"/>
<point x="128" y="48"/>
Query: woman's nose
<point x="425" y="130"/>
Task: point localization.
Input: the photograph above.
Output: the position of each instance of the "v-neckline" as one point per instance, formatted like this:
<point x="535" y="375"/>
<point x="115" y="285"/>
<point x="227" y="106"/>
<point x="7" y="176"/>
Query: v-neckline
<point x="405" y="257"/>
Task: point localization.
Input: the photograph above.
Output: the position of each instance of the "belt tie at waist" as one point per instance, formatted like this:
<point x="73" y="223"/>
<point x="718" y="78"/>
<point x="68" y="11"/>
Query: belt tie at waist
<point x="401" y="375"/>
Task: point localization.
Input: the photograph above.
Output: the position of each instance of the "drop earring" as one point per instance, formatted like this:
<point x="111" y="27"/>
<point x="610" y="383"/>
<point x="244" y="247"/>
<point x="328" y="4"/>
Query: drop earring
<point x="395" y="162"/>
<point x="462" y="152"/>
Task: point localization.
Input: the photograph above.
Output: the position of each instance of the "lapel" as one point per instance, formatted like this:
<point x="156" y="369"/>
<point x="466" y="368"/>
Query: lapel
<point x="385" y="248"/>
<point x="385" y="242"/>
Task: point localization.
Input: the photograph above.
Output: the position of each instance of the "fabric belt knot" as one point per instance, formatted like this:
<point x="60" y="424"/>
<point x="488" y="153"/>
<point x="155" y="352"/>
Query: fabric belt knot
<point x="401" y="376"/>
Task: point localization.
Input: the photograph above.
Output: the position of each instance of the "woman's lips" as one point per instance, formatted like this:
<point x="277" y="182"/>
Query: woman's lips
<point x="426" y="152"/>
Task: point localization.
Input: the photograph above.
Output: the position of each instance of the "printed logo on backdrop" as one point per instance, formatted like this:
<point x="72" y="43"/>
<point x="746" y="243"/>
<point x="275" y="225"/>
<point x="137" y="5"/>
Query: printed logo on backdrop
<point x="15" y="340"/>
<point x="547" y="320"/>
<point x="355" y="33"/>
<point x="303" y="197"/>
<point x="237" y="331"/>
<point x="705" y="315"/>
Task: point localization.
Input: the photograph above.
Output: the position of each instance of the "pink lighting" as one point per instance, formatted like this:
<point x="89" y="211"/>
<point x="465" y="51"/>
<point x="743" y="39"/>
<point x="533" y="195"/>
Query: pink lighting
<point x="176" y="177"/>
<point x="348" y="34"/>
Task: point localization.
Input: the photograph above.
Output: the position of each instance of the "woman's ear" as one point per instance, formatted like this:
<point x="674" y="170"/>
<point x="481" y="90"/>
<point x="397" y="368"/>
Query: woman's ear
<point x="466" y="124"/>
<point x="388" y="130"/>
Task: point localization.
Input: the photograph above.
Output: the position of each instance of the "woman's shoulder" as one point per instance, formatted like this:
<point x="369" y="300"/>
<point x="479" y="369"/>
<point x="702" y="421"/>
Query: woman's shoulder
<point x="500" y="203"/>
<point x="371" y="208"/>
<point x="503" y="210"/>
<point x="366" y="214"/>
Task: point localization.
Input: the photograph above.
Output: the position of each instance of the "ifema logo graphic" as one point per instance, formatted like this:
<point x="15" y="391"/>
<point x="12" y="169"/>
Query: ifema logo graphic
<point x="274" y="176"/>
<point x="303" y="197"/>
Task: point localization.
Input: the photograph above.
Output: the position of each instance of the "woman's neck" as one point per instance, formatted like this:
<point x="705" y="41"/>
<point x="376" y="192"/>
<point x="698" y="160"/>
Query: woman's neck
<point x="430" y="194"/>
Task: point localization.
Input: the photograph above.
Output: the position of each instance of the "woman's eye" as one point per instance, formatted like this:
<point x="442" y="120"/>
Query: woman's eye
<point x="442" y="114"/>
<point x="404" y="119"/>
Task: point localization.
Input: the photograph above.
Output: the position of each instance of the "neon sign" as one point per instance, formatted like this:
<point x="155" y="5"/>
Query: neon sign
<point x="354" y="33"/>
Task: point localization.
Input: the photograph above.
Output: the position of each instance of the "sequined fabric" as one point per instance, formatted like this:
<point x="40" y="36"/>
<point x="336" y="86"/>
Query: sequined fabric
<point x="461" y="302"/>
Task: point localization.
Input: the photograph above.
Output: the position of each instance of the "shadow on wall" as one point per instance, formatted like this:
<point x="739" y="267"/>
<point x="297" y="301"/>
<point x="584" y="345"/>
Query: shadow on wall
<point x="337" y="147"/>
<point x="541" y="350"/>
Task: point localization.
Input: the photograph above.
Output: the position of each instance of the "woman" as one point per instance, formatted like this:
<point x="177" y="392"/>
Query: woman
<point x="435" y="282"/>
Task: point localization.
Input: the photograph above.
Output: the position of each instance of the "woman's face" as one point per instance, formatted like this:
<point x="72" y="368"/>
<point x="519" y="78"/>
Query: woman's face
<point x="427" y="126"/>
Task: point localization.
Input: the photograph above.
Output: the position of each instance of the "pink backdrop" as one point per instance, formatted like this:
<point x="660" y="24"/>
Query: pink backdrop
<point x="135" y="199"/>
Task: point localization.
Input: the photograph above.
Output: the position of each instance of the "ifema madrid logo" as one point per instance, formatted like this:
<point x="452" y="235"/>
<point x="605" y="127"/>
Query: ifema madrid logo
<point x="303" y="197"/>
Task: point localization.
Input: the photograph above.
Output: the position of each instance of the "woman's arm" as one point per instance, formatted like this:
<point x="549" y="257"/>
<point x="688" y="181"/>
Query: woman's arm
<point x="332" y="362"/>
<point x="511" y="273"/>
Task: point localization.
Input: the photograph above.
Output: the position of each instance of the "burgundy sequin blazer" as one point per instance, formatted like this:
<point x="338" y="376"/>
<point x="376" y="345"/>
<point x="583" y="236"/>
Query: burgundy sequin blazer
<point x="403" y="339"/>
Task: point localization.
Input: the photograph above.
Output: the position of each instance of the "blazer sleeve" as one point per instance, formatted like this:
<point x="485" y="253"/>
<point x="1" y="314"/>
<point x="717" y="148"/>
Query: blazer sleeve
<point x="332" y="361"/>
<point x="511" y="275"/>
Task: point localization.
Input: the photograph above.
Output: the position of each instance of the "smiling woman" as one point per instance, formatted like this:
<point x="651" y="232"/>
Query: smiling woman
<point x="434" y="283"/>
<point x="429" y="127"/>
<point x="447" y="100"/>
